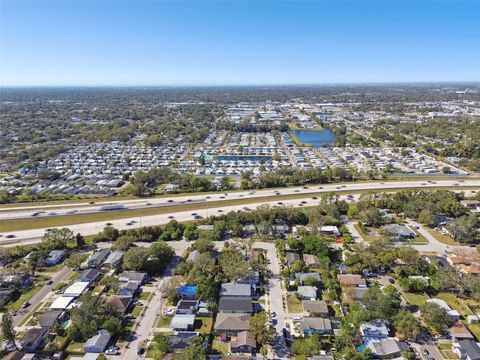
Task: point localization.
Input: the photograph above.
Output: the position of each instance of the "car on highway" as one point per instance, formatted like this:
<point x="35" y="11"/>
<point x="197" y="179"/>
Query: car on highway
<point x="108" y="224"/>
<point x="171" y="216"/>
<point x="11" y="236"/>
<point x="219" y="210"/>
<point x="197" y="217"/>
<point x="170" y="200"/>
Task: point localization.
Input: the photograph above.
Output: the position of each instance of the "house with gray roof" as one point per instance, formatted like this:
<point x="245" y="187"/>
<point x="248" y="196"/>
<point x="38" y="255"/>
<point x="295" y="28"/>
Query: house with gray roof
<point x="315" y="325"/>
<point x="227" y="323"/>
<point x="183" y="322"/>
<point x="467" y="349"/>
<point x="236" y="290"/>
<point x="307" y="292"/>
<point x="387" y="348"/>
<point x="97" y="258"/>
<point x="114" y="259"/>
<point x="302" y="277"/>
<point x="291" y="257"/>
<point x="97" y="343"/>
<point x="235" y="304"/>
<point x="315" y="307"/>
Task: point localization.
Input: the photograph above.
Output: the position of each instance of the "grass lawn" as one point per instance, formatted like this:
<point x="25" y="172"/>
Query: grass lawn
<point x="25" y="295"/>
<point x="221" y="347"/>
<point x="294" y="305"/>
<point x="455" y="303"/>
<point x="365" y="234"/>
<point x="443" y="238"/>
<point x="475" y="329"/>
<point x="75" y="347"/>
<point x="164" y="321"/>
<point x="415" y="299"/>
<point x="145" y="296"/>
<point x="203" y="325"/>
<point x="137" y="310"/>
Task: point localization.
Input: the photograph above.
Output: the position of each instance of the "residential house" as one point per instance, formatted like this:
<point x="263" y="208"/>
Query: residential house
<point x="351" y="280"/>
<point x="114" y="260"/>
<point x="470" y="204"/>
<point x="291" y="257"/>
<point x="467" y="349"/>
<point x="399" y="232"/>
<point x="89" y="275"/>
<point x="459" y="331"/>
<point x="235" y="304"/>
<point x="313" y="276"/>
<point x="185" y="306"/>
<point x="76" y="289"/>
<point x="252" y="278"/>
<point x="307" y="292"/>
<point x="280" y="230"/>
<point x="311" y="261"/>
<point x="97" y="258"/>
<point x="236" y="290"/>
<point x="329" y="230"/>
<point x="453" y="314"/>
<point x="315" y="325"/>
<point x="187" y="292"/>
<point x="231" y="324"/>
<point x="120" y="303"/>
<point x="34" y="339"/>
<point x="244" y="343"/>
<point x="7" y="294"/>
<point x="62" y="303"/>
<point x="375" y="329"/>
<point x="129" y="288"/>
<point x="51" y="317"/>
<point x="22" y="280"/>
<point x="194" y="256"/>
<point x="55" y="257"/>
<point x="181" y="340"/>
<point x="183" y="322"/>
<point x="126" y="276"/>
<point x="387" y="348"/>
<point x="97" y="343"/>
<point x="315" y="307"/>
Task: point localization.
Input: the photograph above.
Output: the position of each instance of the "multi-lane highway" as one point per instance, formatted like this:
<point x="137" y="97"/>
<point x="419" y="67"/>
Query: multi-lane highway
<point x="222" y="202"/>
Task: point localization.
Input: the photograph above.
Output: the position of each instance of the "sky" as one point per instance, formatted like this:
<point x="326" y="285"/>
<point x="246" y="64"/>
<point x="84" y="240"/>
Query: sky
<point x="58" y="43"/>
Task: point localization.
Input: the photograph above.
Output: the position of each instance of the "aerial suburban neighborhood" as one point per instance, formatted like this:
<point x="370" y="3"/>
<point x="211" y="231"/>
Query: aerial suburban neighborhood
<point x="239" y="180"/>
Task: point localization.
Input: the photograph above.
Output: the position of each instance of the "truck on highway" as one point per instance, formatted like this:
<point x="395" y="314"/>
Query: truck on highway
<point x="113" y="207"/>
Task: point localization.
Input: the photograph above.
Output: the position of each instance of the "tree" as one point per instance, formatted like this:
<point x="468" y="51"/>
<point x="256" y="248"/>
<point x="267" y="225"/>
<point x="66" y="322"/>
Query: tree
<point x="108" y="234"/>
<point x="160" y="256"/>
<point x="371" y="217"/>
<point x="308" y="346"/>
<point x="192" y="352"/>
<point x="80" y="240"/>
<point x="190" y="232"/>
<point x="407" y="325"/>
<point x="75" y="260"/>
<point x="8" y="331"/>
<point x="263" y="333"/>
<point x="135" y="258"/>
<point x="426" y="217"/>
<point x="435" y="317"/>
<point x="204" y="245"/>
<point x="57" y="238"/>
<point x="382" y="305"/>
<point x="160" y="344"/>
<point x="233" y="264"/>
<point x="463" y="228"/>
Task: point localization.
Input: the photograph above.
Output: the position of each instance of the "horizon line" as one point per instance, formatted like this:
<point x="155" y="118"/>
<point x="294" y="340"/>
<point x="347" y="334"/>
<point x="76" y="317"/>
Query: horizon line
<point x="431" y="82"/>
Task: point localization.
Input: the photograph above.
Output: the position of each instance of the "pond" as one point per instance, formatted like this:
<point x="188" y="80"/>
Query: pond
<point x="315" y="138"/>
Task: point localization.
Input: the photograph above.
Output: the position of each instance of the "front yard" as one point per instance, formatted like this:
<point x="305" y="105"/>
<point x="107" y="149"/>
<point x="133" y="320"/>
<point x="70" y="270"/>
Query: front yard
<point x="415" y="299"/>
<point x="294" y="305"/>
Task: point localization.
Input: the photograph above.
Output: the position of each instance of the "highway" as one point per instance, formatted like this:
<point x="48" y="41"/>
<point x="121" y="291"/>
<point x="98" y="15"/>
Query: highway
<point x="24" y="237"/>
<point x="10" y="213"/>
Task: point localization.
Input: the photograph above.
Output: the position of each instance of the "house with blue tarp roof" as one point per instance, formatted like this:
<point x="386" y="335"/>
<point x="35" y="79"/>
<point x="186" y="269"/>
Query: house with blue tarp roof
<point x="187" y="292"/>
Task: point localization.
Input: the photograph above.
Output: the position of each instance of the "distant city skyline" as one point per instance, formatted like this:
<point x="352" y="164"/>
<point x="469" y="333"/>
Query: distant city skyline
<point x="214" y="43"/>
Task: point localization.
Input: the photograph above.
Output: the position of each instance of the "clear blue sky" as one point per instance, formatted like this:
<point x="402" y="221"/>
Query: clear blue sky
<point x="214" y="42"/>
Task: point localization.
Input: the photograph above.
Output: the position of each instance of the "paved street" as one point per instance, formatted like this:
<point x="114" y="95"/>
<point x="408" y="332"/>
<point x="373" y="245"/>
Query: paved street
<point x="40" y="296"/>
<point x="275" y="297"/>
<point x="147" y="322"/>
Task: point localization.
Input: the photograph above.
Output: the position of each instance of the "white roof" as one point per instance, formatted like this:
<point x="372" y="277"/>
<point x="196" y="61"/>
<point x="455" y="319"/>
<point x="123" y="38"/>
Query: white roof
<point x="76" y="289"/>
<point x="61" y="303"/>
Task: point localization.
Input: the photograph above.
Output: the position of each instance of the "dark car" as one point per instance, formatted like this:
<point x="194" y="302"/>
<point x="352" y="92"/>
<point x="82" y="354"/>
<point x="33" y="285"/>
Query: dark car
<point x="170" y="200"/>
<point x="140" y="351"/>
<point x="10" y="236"/>
<point x="49" y="282"/>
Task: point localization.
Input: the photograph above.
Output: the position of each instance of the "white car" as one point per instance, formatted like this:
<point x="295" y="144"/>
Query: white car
<point x="111" y="351"/>
<point x="170" y="312"/>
